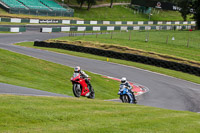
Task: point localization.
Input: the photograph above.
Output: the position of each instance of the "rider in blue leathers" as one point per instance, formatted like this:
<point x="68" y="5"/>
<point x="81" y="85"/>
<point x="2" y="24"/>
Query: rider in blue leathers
<point x="127" y="84"/>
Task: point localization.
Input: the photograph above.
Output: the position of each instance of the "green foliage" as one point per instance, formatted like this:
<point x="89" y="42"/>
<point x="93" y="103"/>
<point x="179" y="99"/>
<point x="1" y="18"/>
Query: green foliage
<point x="185" y="6"/>
<point x="196" y="7"/>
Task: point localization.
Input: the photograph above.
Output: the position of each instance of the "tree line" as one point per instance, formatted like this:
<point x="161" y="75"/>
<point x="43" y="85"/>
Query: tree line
<point x="93" y="2"/>
<point x="190" y="7"/>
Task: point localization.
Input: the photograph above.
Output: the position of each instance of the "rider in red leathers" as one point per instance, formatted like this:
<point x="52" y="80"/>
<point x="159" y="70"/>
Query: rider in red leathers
<point x="83" y="75"/>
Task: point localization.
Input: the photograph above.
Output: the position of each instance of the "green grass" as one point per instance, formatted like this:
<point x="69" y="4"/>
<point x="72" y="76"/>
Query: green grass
<point x="6" y="32"/>
<point x="173" y="73"/>
<point x="72" y="115"/>
<point x="34" y="73"/>
<point x="123" y="13"/>
<point x="157" y="42"/>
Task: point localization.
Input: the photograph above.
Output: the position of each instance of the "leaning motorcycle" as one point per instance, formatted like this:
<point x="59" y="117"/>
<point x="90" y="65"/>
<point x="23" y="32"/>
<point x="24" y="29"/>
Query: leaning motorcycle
<point x="125" y="95"/>
<point x="80" y="87"/>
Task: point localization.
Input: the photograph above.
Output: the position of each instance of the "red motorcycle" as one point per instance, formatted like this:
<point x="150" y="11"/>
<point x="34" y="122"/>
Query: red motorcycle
<point x="80" y="87"/>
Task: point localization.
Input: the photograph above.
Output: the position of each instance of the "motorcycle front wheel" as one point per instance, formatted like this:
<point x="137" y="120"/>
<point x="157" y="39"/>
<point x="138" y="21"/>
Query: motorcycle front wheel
<point x="76" y="90"/>
<point x="125" y="98"/>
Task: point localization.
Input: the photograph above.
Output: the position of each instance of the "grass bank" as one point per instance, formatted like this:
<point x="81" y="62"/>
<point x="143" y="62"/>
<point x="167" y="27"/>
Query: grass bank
<point x="53" y="114"/>
<point x="186" y="44"/>
<point x="34" y="73"/>
<point x="124" y="13"/>
<point x="117" y="13"/>
<point x="173" y="73"/>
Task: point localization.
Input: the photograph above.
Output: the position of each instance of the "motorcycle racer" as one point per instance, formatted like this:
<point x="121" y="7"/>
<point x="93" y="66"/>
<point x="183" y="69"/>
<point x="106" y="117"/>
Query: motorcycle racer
<point x="77" y="69"/>
<point x="127" y="84"/>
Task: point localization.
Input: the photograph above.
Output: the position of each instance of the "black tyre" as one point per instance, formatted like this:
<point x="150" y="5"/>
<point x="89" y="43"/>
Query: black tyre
<point x="76" y="90"/>
<point x="125" y="99"/>
<point x="92" y="94"/>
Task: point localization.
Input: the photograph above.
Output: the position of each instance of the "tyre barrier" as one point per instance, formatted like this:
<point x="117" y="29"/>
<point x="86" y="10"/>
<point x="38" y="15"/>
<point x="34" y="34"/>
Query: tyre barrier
<point x="124" y="56"/>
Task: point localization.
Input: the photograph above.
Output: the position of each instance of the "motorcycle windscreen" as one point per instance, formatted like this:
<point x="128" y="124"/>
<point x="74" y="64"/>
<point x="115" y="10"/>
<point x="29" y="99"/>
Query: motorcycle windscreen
<point x="75" y="75"/>
<point x="122" y="87"/>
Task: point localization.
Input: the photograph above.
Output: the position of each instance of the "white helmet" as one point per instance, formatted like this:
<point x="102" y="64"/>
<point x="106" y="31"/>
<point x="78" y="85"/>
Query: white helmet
<point x="123" y="80"/>
<point x="77" y="69"/>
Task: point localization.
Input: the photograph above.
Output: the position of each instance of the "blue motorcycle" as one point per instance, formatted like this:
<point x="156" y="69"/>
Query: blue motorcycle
<point x="125" y="95"/>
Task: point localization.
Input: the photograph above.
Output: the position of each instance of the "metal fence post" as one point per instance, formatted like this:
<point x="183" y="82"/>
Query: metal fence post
<point x="167" y="39"/>
<point x="130" y="35"/>
<point x="188" y="42"/>
<point x="84" y="33"/>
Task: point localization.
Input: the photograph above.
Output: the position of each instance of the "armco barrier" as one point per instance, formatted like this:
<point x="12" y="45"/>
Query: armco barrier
<point x="113" y="28"/>
<point x="97" y="22"/>
<point x="124" y="56"/>
<point x="13" y="29"/>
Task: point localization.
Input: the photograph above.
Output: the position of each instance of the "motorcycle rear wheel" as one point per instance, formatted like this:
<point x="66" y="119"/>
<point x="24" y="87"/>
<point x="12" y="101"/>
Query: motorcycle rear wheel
<point x="92" y="94"/>
<point x="76" y="90"/>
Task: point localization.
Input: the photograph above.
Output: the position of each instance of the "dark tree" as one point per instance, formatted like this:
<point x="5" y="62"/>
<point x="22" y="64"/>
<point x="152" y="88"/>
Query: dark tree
<point x="81" y="2"/>
<point x="90" y="3"/>
<point x="111" y="3"/>
<point x="196" y="7"/>
<point x="185" y="6"/>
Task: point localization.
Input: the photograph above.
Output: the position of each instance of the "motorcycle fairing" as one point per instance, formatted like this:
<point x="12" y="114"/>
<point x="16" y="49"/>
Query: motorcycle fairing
<point x="81" y="81"/>
<point x="125" y="91"/>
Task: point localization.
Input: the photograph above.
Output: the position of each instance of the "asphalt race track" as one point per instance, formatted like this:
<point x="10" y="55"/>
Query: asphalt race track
<point x="17" y="90"/>
<point x="165" y="92"/>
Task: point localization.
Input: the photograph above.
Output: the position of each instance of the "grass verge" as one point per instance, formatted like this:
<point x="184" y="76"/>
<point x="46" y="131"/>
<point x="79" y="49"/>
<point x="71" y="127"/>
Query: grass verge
<point x="34" y="73"/>
<point x="173" y="73"/>
<point x="54" y="114"/>
<point x="3" y="32"/>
